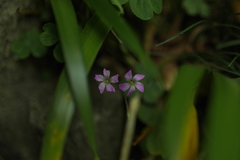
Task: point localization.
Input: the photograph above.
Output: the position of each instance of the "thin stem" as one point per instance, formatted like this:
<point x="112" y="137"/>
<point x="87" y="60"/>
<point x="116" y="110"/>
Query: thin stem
<point x="130" y="127"/>
<point x="127" y="106"/>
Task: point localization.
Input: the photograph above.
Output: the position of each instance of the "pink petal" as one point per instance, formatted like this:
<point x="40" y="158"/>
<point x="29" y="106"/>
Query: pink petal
<point x="110" y="88"/>
<point x="128" y="75"/>
<point x="114" y="79"/>
<point x="138" y="77"/>
<point x="131" y="90"/>
<point x="101" y="87"/>
<point x="106" y="73"/>
<point x="139" y="86"/>
<point x="124" y="86"/>
<point x="99" y="77"/>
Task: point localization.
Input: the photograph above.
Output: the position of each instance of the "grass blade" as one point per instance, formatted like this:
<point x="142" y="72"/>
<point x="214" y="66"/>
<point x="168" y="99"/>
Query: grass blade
<point x="180" y="33"/>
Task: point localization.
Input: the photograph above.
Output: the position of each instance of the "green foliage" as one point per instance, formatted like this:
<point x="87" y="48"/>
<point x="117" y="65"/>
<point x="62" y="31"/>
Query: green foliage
<point x="57" y="53"/>
<point x="49" y="36"/>
<point x="153" y="142"/>
<point x="223" y="118"/>
<point x="75" y="67"/>
<point x="29" y="43"/>
<point x="149" y="115"/>
<point x="196" y="7"/>
<point x="144" y="9"/>
<point x="94" y="28"/>
<point x="119" y="2"/>
<point x="152" y="88"/>
<point x="179" y="102"/>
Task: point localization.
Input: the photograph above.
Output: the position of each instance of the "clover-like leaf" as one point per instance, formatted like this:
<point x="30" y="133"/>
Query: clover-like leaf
<point x="57" y="53"/>
<point x="117" y="2"/>
<point x="144" y="9"/>
<point x="196" y="7"/>
<point x="29" y="43"/>
<point x="50" y="36"/>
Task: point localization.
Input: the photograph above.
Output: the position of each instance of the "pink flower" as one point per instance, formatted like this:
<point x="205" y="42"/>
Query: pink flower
<point x="132" y="83"/>
<point x="106" y="80"/>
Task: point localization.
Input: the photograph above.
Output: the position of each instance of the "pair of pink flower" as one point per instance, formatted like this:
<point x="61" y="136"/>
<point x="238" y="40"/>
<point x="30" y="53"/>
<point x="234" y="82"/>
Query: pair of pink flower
<point x="132" y="82"/>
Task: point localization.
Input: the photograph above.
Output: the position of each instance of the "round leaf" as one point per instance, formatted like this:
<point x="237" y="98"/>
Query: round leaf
<point x="144" y="9"/>
<point x="57" y="53"/>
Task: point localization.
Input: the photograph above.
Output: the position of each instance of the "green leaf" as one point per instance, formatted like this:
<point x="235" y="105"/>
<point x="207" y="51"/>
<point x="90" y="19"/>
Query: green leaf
<point x="223" y="119"/>
<point x="91" y="47"/>
<point x="152" y="90"/>
<point x="179" y="103"/>
<point x="144" y="9"/>
<point x="59" y="121"/>
<point x="50" y="36"/>
<point x="154" y="142"/>
<point x="29" y="43"/>
<point x="119" y="2"/>
<point x="76" y="72"/>
<point x="196" y="7"/>
<point x="124" y="32"/>
<point x="22" y="52"/>
<point x="57" y="53"/>
<point x="93" y="34"/>
<point x="228" y="44"/>
<point x="148" y="115"/>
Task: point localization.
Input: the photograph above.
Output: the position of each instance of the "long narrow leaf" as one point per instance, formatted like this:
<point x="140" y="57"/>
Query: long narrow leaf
<point x="75" y="66"/>
<point x="95" y="28"/>
<point x="179" y="105"/>
<point x="58" y="122"/>
<point x="112" y="17"/>
<point x="223" y="118"/>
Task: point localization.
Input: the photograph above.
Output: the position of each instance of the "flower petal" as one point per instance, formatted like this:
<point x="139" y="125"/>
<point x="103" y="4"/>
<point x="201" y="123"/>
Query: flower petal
<point x="106" y="73"/>
<point x="124" y="86"/>
<point x="139" y="86"/>
<point x="128" y="75"/>
<point x="110" y="88"/>
<point x="138" y="77"/>
<point x="114" y="79"/>
<point x="131" y="90"/>
<point x="101" y="87"/>
<point x="99" y="77"/>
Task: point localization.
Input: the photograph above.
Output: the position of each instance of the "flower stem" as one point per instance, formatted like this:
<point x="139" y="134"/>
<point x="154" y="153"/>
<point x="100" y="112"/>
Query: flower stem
<point x="130" y="127"/>
<point x="127" y="106"/>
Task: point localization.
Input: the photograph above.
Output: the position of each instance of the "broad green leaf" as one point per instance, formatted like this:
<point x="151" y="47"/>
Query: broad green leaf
<point x="91" y="48"/>
<point x="29" y="43"/>
<point x="196" y="7"/>
<point x="223" y="119"/>
<point x="179" y="103"/>
<point x="50" y="36"/>
<point x="144" y="9"/>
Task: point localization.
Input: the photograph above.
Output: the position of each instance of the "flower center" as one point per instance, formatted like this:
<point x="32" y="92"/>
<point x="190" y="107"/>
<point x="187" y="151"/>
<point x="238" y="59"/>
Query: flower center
<point x="107" y="80"/>
<point x="132" y="82"/>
